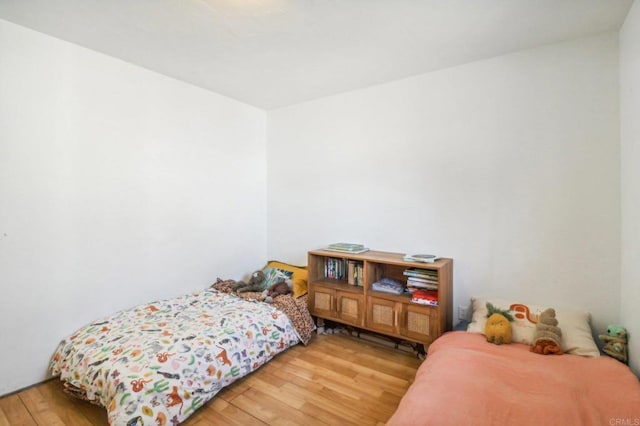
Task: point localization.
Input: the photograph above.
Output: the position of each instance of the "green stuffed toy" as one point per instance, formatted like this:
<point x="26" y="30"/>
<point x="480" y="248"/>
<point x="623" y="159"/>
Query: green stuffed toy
<point x="615" y="342"/>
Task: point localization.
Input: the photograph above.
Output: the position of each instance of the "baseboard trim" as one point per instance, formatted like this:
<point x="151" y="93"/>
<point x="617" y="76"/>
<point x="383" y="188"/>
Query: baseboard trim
<point x="28" y="387"/>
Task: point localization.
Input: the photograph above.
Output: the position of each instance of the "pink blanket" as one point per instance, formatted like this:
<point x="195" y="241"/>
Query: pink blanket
<point x="466" y="380"/>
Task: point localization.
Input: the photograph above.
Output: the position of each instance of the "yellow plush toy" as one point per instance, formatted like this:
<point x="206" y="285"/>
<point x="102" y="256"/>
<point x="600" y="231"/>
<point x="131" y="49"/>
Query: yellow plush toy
<point x="498" y="326"/>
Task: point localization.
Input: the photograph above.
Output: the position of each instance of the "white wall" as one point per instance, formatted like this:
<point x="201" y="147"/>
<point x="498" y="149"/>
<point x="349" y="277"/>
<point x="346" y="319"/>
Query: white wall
<point x="510" y="166"/>
<point x="116" y="184"/>
<point x="630" y="179"/>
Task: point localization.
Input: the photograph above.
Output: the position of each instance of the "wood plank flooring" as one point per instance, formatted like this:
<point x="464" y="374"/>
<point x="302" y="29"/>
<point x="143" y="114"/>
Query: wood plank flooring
<point x="335" y="380"/>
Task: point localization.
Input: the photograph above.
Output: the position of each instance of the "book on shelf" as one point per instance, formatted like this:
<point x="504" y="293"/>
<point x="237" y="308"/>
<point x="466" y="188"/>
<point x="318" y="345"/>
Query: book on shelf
<point x="422" y="258"/>
<point x="425" y="297"/>
<point x="355" y="275"/>
<point x="335" y="269"/>
<point x="343" y="269"/>
<point x="351" y="273"/>
<point x="347" y="248"/>
<point x="421" y="273"/>
<point x="347" y="251"/>
<point x="418" y="284"/>
<point x="413" y="289"/>
<point x="423" y="280"/>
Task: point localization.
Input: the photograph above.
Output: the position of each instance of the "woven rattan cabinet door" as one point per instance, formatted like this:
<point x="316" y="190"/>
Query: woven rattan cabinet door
<point x="382" y="315"/>
<point x="322" y="302"/>
<point x="418" y="322"/>
<point x="350" y="308"/>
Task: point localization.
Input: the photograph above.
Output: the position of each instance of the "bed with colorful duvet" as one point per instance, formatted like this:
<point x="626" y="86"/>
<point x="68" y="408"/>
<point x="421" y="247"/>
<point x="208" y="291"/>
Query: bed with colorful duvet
<point x="467" y="380"/>
<point x="159" y="362"/>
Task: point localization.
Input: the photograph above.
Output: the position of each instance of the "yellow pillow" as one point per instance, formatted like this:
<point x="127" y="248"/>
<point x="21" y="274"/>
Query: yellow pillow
<point x="299" y="277"/>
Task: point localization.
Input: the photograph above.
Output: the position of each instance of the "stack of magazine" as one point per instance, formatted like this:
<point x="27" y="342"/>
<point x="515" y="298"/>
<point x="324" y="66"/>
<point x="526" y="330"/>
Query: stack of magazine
<point x="347" y="248"/>
<point x="421" y="278"/>
<point x="422" y="284"/>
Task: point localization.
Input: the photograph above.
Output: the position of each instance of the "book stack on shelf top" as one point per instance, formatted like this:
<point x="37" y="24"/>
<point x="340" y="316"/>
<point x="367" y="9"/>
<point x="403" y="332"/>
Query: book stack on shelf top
<point x="423" y="285"/>
<point x="347" y="248"/>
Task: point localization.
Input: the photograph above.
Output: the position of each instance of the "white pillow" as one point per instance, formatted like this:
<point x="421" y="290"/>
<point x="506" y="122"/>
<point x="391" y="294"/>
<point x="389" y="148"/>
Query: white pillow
<point x="576" y="332"/>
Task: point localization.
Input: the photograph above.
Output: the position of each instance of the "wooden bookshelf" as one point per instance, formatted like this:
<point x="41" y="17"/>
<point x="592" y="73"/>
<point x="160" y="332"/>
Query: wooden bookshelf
<point x="362" y="307"/>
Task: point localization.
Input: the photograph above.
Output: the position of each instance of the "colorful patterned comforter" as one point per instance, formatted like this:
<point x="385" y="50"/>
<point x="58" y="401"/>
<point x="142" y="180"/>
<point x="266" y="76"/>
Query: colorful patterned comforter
<point x="157" y="363"/>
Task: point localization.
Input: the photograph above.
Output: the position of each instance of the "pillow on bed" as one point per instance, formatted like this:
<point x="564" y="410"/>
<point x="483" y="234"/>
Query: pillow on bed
<point x="274" y="275"/>
<point x="576" y="332"/>
<point x="299" y="276"/>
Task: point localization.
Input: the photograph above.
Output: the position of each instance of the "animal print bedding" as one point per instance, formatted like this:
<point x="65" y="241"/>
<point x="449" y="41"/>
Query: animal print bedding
<point x="297" y="310"/>
<point x="159" y="362"/>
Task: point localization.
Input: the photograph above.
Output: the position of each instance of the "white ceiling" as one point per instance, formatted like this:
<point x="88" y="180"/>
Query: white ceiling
<point x="273" y="53"/>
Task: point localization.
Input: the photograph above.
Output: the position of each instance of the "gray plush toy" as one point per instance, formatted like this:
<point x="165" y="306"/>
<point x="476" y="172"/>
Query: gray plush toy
<point x="281" y="287"/>
<point x="255" y="283"/>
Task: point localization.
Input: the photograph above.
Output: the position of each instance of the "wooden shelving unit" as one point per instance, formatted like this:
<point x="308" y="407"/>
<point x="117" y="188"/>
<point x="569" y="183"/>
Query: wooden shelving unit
<point x="389" y="314"/>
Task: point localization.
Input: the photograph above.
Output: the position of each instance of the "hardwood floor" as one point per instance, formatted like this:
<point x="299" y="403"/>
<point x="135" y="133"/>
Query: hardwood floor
<point x="335" y="380"/>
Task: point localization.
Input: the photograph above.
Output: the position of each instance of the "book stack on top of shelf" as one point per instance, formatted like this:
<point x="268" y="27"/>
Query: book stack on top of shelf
<point x="423" y="285"/>
<point x="347" y="248"/>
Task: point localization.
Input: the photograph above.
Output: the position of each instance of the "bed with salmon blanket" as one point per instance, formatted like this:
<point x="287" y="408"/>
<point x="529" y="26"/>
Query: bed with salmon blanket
<point x="466" y="380"/>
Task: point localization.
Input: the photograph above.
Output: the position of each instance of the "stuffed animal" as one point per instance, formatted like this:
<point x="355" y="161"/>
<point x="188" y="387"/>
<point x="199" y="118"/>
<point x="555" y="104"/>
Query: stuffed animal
<point x="547" y="338"/>
<point x="498" y="326"/>
<point x="281" y="287"/>
<point x="615" y="342"/>
<point x="255" y="283"/>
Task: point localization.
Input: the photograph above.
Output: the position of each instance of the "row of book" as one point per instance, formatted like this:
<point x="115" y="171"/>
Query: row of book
<point x="355" y="273"/>
<point x="423" y="285"/>
<point x="343" y="269"/>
